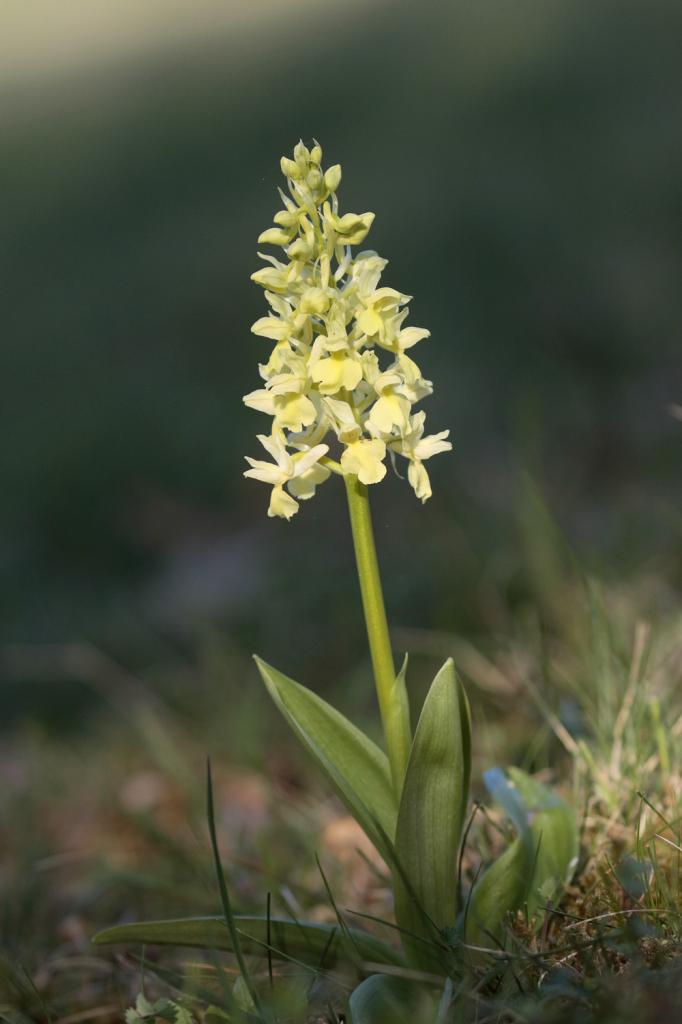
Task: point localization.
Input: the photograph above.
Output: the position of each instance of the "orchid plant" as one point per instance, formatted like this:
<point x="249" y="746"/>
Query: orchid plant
<point x="340" y="390"/>
<point x="333" y="326"/>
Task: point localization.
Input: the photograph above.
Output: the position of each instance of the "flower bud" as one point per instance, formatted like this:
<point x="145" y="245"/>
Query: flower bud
<point x="314" y="179"/>
<point x="361" y="230"/>
<point x="270" y="278"/>
<point x="275" y="236"/>
<point x="301" y="154"/>
<point x="332" y="178"/>
<point x="299" y="250"/>
<point x="316" y="154"/>
<point x="290" y="169"/>
<point x="286" y="218"/>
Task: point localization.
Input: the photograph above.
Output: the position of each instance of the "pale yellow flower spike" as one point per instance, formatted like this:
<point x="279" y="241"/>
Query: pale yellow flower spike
<point x="330" y="320"/>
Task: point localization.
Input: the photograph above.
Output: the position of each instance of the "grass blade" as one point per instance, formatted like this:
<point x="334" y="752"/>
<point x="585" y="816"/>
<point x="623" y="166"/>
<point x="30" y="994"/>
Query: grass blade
<point x="225" y="900"/>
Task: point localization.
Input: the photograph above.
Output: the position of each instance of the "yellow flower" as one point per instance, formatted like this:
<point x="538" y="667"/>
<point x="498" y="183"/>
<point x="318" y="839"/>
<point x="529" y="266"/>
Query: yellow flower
<point x="364" y="459"/>
<point x="291" y="410"/>
<point x="339" y="370"/>
<point x="379" y="308"/>
<point x="290" y="322"/>
<point x="351" y="229"/>
<point x="415" y="447"/>
<point x="391" y="409"/>
<point x="303" y="486"/>
<point x="298" y="471"/>
<point x="412" y="386"/>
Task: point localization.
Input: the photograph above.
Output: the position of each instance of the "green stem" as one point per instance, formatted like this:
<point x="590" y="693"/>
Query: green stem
<point x="391" y="693"/>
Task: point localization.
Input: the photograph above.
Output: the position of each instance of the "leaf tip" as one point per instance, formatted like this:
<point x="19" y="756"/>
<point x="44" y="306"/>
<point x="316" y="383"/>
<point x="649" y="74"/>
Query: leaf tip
<point x="262" y="667"/>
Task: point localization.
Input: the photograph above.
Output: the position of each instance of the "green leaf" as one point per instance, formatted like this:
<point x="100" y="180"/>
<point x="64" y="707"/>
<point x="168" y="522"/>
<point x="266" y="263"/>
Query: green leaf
<point x="431" y="814"/>
<point x="500" y="891"/>
<point x="242" y="996"/>
<point x="399" y="718"/>
<point x="555" y="840"/>
<point x="288" y="939"/>
<point x="358" y="770"/>
<point x="383" y="999"/>
<point x="535" y="868"/>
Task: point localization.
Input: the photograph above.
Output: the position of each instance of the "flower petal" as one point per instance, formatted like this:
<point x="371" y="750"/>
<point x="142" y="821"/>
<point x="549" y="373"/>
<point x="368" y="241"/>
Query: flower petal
<point x="282" y="504"/>
<point x="419" y="479"/>
<point x="364" y="458"/>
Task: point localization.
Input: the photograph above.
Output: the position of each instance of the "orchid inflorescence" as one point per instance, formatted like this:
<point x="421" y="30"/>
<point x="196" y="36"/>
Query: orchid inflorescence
<point x="330" y="321"/>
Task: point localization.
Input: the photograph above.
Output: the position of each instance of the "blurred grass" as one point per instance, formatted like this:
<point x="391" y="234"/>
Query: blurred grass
<point x="524" y="164"/>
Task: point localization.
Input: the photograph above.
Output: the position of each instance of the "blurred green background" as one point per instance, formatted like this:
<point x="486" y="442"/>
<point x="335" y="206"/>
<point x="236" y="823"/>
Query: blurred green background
<point x="524" y="161"/>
